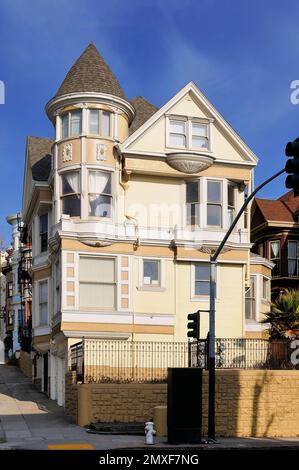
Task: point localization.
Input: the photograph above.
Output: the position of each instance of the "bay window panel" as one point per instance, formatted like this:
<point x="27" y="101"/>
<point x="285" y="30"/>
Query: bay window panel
<point x="97" y="269"/>
<point x="214" y="215"/>
<point x="214" y="192"/>
<point x="94" y="295"/>
<point x="65" y="126"/>
<point x="192" y="200"/>
<point x="106" y="124"/>
<point x="250" y="312"/>
<point x="71" y="205"/>
<point x="94" y="121"/>
<point x="71" y="201"/>
<point x="192" y="191"/>
<point x="193" y="214"/>
<point x="75" y="127"/>
<point x="70" y="182"/>
<point x="230" y="203"/>
<point x="100" y="194"/>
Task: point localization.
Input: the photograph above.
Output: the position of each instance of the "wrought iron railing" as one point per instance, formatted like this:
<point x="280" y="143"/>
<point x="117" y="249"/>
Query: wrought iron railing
<point x="112" y="361"/>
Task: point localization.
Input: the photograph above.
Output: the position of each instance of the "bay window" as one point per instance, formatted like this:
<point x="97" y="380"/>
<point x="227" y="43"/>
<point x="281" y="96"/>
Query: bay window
<point x="70" y="194"/>
<point x="100" y="194"/>
<point x="293" y="258"/>
<point x="275" y="256"/>
<point x="99" y="122"/>
<point x="71" y="124"/>
<point x="97" y="283"/>
<point x="214" y="203"/>
<point x="230" y="204"/>
<point x="192" y="200"/>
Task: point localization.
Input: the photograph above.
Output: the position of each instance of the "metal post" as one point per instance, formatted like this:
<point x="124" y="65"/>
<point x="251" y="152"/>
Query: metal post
<point x="213" y="261"/>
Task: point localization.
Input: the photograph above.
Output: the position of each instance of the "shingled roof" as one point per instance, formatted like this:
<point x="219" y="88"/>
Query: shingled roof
<point x="90" y="73"/>
<point x="39" y="154"/>
<point x="144" y="110"/>
<point x="280" y="210"/>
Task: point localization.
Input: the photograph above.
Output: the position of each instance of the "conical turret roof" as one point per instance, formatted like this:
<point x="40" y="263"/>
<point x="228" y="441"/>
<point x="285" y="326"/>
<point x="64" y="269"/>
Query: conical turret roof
<point x="90" y="73"/>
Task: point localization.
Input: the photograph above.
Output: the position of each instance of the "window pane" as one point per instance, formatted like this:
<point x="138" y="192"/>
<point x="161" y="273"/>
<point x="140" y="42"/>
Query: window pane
<point x="71" y="205"/>
<point x="199" y="129"/>
<point x="76" y="122"/>
<point x="43" y="314"/>
<point x="97" y="269"/>
<point x="199" y="142"/>
<point x="100" y="206"/>
<point x="43" y="223"/>
<point x="214" y="215"/>
<point x="178" y="127"/>
<point x="274" y="249"/>
<point x="192" y="191"/>
<point x="43" y="291"/>
<point x="99" y="182"/>
<point x="292" y="267"/>
<point x="151" y="272"/>
<point x="292" y="249"/>
<point x="97" y="296"/>
<point x="193" y="214"/>
<point x="202" y="272"/>
<point x="94" y="122"/>
<point x="231" y="214"/>
<point x="70" y="182"/>
<point x="177" y="140"/>
<point x="64" y="126"/>
<point x="214" y="191"/>
<point x="265" y="288"/>
<point x="231" y="195"/>
<point x="106" y="123"/>
<point x="202" y="288"/>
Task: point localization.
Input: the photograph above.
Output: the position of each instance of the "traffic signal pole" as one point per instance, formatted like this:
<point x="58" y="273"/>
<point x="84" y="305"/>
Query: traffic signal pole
<point x="211" y="352"/>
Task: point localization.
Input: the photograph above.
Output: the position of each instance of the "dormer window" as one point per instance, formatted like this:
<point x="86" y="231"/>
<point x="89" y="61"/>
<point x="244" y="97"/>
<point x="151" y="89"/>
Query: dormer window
<point x="188" y="134"/>
<point x="99" y="122"/>
<point x="71" y="124"/>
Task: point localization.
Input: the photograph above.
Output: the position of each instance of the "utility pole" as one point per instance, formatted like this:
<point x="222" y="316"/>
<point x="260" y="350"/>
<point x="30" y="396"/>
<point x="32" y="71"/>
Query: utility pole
<point x="213" y="264"/>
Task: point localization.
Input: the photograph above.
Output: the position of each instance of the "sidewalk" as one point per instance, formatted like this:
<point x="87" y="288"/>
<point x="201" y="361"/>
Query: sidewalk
<point x="30" y="420"/>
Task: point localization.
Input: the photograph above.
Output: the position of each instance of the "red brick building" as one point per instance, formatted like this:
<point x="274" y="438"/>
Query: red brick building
<point x="275" y="235"/>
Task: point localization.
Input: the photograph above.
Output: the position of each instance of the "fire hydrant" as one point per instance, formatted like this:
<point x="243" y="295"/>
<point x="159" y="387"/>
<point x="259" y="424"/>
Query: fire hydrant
<point x="149" y="432"/>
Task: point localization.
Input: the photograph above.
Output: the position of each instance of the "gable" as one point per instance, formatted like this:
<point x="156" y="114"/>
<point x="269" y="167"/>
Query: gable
<point x="152" y="137"/>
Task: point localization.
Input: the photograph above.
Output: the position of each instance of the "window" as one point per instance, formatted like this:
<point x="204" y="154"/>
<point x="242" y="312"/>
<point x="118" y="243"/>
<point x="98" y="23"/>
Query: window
<point x="188" y="134"/>
<point x="293" y="258"/>
<point x="177" y="135"/>
<point x="43" y="302"/>
<point x="71" y="124"/>
<point x="230" y="204"/>
<point x="192" y="200"/>
<point x="43" y="232"/>
<point x="97" y="283"/>
<point x="250" y="310"/>
<point x="71" y="202"/>
<point x="57" y="287"/>
<point x="275" y="256"/>
<point x="9" y="289"/>
<point x="199" y="135"/>
<point x="99" y="122"/>
<point x="260" y="249"/>
<point x="151" y="273"/>
<point x="214" y="203"/>
<point x="100" y="194"/>
<point x="265" y="290"/>
<point x="202" y="279"/>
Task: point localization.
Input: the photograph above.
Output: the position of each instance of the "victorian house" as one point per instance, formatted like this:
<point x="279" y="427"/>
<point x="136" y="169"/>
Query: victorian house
<point x="123" y="208"/>
<point x="275" y="236"/>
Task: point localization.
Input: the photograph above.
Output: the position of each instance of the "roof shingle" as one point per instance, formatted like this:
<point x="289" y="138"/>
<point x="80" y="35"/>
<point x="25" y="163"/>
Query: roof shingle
<point x="90" y="73"/>
<point x="280" y="210"/>
<point x="144" y="110"/>
<point x="39" y="154"/>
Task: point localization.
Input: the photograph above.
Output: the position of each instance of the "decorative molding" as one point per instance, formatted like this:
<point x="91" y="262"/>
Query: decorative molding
<point x="101" y="152"/>
<point x="96" y="243"/>
<point x="54" y="243"/>
<point x="67" y="153"/>
<point x="189" y="163"/>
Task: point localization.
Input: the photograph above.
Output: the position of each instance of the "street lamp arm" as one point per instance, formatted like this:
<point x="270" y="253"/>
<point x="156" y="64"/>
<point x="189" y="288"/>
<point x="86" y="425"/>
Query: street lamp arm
<point x="235" y="221"/>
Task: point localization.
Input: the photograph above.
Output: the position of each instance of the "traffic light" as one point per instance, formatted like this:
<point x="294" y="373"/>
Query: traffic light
<point x="292" y="166"/>
<point x="193" y="325"/>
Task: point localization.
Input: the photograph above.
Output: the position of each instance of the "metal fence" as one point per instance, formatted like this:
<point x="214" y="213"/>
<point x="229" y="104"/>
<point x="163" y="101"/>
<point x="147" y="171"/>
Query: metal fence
<point x="113" y="361"/>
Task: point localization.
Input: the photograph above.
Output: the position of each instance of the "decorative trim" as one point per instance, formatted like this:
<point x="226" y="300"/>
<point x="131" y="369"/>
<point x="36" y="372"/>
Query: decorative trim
<point x="101" y="152"/>
<point x="67" y="153"/>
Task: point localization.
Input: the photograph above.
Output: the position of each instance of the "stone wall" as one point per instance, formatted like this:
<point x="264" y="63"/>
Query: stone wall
<point x="261" y="403"/>
<point x="25" y="363"/>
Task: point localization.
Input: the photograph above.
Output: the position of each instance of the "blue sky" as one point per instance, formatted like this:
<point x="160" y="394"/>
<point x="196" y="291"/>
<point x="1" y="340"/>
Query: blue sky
<point x="242" y="54"/>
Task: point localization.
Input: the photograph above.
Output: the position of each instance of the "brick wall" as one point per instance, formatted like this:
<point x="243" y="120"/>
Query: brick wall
<point x="71" y="396"/>
<point x="25" y="363"/>
<point x="260" y="403"/>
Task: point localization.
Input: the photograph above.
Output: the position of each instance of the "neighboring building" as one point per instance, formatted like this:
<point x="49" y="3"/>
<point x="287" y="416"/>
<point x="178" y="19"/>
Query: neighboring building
<point x="275" y="235"/>
<point x="2" y="307"/>
<point x="10" y="270"/>
<point x="124" y="207"/>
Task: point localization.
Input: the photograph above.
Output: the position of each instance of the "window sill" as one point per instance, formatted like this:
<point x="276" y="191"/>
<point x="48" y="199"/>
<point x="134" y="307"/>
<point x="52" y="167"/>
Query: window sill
<point x="151" y="289"/>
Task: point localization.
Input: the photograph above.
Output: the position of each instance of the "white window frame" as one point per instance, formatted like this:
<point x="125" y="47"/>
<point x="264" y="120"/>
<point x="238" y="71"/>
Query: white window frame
<point x="230" y="184"/>
<point x="115" y="283"/>
<point x="62" y="196"/>
<point x="198" y="203"/>
<point x="252" y="299"/>
<point x="100" y="115"/>
<point x="202" y="298"/>
<point x="188" y="132"/>
<point x="151" y="287"/>
<point x="69" y="125"/>
<point x="268" y="289"/>
<point x="112" y="198"/>
<point x="40" y="281"/>
<point x="296" y="259"/>
<point x="277" y="258"/>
